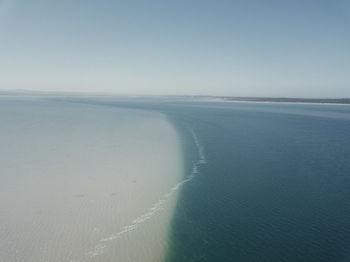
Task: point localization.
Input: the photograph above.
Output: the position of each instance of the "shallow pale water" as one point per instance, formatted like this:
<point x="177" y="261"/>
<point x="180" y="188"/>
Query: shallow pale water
<point x="85" y="183"/>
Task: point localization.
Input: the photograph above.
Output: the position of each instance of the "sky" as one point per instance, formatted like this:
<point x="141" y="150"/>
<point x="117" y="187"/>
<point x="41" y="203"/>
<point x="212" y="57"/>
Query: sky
<point x="286" y="48"/>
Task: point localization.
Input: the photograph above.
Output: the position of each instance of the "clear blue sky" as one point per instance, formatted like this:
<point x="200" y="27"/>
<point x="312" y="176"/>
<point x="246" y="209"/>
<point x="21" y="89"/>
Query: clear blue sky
<point x="294" y="48"/>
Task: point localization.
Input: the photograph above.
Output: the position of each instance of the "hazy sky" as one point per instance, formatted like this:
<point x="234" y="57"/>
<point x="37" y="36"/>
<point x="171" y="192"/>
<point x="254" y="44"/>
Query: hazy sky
<point x="242" y="48"/>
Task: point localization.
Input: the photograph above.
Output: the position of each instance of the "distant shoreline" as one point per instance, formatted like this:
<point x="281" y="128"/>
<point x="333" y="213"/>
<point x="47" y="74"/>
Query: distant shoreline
<point x="343" y="101"/>
<point x="278" y="100"/>
<point x="284" y="100"/>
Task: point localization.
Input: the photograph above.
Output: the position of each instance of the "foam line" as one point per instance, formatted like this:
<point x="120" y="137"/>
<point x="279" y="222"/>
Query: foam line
<point x="156" y="207"/>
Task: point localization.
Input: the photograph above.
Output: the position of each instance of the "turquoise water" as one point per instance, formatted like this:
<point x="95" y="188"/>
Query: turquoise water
<point x="276" y="185"/>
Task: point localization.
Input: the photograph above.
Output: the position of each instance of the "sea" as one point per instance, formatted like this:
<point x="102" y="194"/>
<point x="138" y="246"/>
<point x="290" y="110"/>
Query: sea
<point x="261" y="181"/>
<point x="275" y="185"/>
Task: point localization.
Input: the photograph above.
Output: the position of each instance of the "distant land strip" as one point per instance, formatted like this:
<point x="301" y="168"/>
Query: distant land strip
<point x="279" y="99"/>
<point x="344" y="101"/>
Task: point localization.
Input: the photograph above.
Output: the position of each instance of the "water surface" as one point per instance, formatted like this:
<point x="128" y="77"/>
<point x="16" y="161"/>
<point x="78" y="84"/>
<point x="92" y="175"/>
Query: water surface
<point x="81" y="182"/>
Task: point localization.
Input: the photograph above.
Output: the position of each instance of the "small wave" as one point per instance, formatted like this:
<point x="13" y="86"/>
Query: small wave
<point x="158" y="206"/>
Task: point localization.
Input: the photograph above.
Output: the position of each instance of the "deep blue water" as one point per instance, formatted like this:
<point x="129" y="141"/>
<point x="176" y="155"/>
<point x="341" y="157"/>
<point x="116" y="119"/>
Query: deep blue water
<point x="276" y="186"/>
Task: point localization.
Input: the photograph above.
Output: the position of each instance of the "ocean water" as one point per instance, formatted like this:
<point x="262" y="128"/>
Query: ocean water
<point x="275" y="185"/>
<point x="271" y="181"/>
<point x="261" y="182"/>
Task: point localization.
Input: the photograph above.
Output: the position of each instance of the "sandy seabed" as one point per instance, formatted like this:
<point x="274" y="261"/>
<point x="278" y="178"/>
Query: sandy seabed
<point x="85" y="183"/>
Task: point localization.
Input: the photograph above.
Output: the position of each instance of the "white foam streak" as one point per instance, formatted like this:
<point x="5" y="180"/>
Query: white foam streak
<point x="202" y="158"/>
<point x="158" y="206"/>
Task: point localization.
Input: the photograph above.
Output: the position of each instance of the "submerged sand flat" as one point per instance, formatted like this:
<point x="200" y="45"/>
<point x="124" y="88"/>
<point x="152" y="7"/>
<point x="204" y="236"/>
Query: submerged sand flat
<point x="85" y="183"/>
